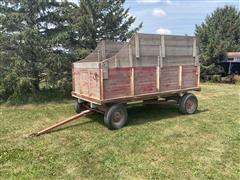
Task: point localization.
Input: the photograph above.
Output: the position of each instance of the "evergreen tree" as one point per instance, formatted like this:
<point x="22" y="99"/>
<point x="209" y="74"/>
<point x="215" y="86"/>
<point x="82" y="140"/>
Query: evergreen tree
<point x="219" y="33"/>
<point x="40" y="39"/>
<point x="31" y="36"/>
<point x="96" y="20"/>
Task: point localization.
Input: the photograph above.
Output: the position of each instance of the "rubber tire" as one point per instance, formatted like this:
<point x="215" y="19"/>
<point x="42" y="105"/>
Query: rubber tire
<point x="79" y="107"/>
<point x="108" y="121"/>
<point x="184" y="99"/>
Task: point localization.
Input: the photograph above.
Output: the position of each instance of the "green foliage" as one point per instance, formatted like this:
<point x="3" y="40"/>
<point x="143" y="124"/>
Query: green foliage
<point x="216" y="78"/>
<point x="39" y="40"/>
<point x="219" y="33"/>
<point x="93" y="21"/>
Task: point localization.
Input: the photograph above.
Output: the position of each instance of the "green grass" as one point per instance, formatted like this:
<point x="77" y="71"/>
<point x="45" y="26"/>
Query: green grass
<point x="157" y="143"/>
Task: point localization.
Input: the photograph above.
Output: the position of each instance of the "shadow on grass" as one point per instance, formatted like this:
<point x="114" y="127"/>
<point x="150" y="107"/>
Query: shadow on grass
<point x="142" y="114"/>
<point x="138" y="114"/>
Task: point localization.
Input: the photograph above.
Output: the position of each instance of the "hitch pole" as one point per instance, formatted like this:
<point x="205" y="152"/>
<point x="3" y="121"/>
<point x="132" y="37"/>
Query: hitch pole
<point x="61" y="123"/>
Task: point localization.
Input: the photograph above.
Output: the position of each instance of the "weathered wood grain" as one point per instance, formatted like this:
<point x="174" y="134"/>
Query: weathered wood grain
<point x="189" y="76"/>
<point x="145" y="80"/>
<point x="118" y="84"/>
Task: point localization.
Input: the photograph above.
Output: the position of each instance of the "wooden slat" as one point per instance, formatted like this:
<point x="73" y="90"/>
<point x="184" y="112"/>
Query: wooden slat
<point x="101" y="83"/>
<point x="194" y="47"/>
<point x="163" y="46"/>
<point x="137" y="46"/>
<point x="132" y="81"/>
<point x="88" y="78"/>
<point x="130" y="56"/>
<point x="198" y="76"/>
<point x="180" y="77"/>
<point x="103" y="50"/>
<point x="158" y="78"/>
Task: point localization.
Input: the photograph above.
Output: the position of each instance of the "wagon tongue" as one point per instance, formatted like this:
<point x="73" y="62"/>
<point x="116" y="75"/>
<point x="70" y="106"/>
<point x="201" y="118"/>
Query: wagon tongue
<point x="65" y="121"/>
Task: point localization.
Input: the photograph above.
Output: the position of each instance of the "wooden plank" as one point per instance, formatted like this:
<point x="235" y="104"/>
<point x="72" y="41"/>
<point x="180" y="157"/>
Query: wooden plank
<point x="179" y="60"/>
<point x="116" y="62"/>
<point x="145" y="80"/>
<point x="169" y="78"/>
<point x="132" y="82"/>
<point x="85" y="65"/>
<point x="158" y="78"/>
<point x="88" y="78"/>
<point x="198" y="76"/>
<point x="149" y="95"/>
<point x="137" y="46"/>
<point x="149" y="50"/>
<point x="160" y="57"/>
<point x="101" y="83"/>
<point x="179" y="42"/>
<point x="94" y="89"/>
<point x="103" y="50"/>
<point x="86" y="98"/>
<point x="179" y="51"/>
<point x="105" y="69"/>
<point x="130" y="56"/>
<point x="163" y="46"/>
<point x="118" y="84"/>
<point x="194" y="47"/>
<point x="189" y="75"/>
<point x="99" y="56"/>
<point x="180" y="77"/>
<point x="73" y="77"/>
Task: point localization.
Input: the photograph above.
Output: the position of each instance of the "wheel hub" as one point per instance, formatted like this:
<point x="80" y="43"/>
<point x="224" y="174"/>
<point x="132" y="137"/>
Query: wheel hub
<point x="190" y="106"/>
<point x="117" y="117"/>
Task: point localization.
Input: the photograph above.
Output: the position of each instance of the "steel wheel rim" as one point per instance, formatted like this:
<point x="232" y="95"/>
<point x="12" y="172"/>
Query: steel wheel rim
<point x="190" y="105"/>
<point x="117" y="117"/>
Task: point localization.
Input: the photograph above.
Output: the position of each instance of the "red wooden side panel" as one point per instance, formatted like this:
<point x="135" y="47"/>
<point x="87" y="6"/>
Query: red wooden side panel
<point x="75" y="79"/>
<point x="84" y="82"/>
<point x="189" y="76"/>
<point x="169" y="78"/>
<point x="94" y="85"/>
<point x="118" y="83"/>
<point x="145" y="80"/>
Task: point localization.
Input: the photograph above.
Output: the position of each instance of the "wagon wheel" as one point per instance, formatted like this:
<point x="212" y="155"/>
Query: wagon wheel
<point x="116" y="116"/>
<point x="80" y="107"/>
<point x="188" y="103"/>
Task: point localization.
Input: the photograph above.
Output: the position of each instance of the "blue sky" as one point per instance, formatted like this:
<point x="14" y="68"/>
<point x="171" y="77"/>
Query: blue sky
<point x="173" y="16"/>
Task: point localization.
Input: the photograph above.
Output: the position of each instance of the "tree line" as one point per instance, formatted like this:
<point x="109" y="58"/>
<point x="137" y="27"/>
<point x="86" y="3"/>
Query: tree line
<point x="219" y="33"/>
<point x="40" y="39"/>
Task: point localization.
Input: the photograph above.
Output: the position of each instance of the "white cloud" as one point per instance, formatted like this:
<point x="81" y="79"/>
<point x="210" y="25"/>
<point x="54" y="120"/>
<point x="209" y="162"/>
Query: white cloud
<point x="168" y="1"/>
<point x="164" y="31"/>
<point x="158" y="12"/>
<point x="154" y="1"/>
<point x="148" y="1"/>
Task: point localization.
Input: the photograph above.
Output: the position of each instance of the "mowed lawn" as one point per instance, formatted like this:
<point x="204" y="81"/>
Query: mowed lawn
<point x="158" y="142"/>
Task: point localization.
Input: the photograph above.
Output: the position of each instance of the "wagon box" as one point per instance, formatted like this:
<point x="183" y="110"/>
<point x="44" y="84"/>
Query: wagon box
<point x="146" y="68"/>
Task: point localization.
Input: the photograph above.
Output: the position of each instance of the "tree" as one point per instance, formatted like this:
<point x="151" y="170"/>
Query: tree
<point x="218" y="34"/>
<point x="31" y="34"/>
<point x="96" y="20"/>
<point x="40" y="39"/>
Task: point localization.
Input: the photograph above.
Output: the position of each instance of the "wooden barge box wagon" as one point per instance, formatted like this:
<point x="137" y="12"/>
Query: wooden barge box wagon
<point x="149" y="68"/>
